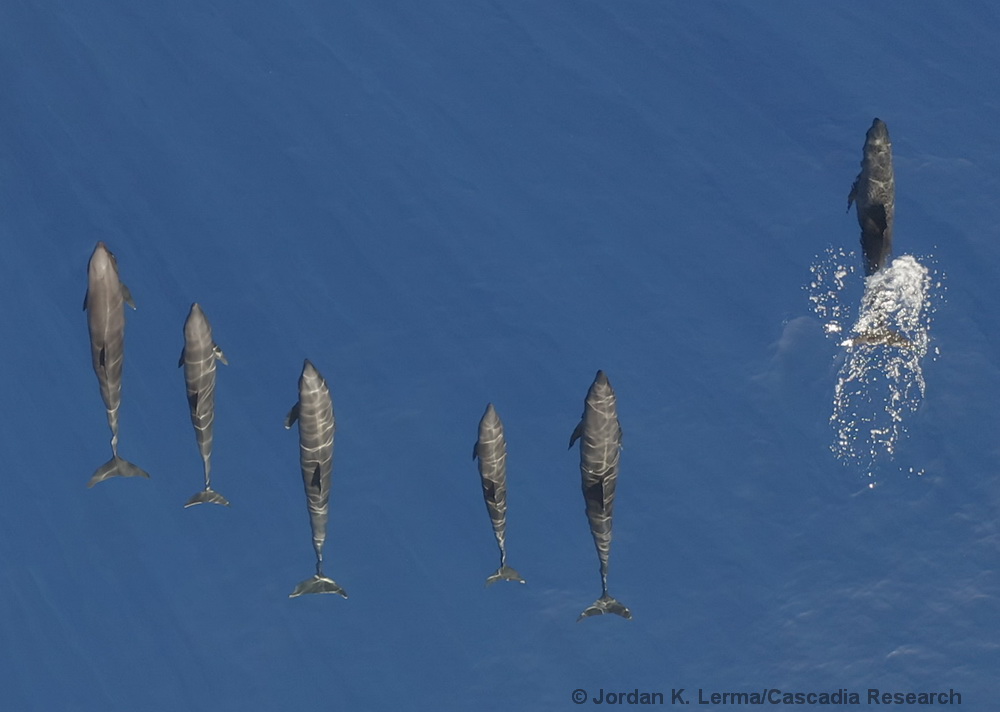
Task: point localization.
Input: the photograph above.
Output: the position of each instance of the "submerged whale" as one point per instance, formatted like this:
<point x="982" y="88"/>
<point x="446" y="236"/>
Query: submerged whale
<point x="105" y="306"/>
<point x="491" y="450"/>
<point x="314" y="413"/>
<point x="198" y="359"/>
<point x="600" y="436"/>
<point x="874" y="193"/>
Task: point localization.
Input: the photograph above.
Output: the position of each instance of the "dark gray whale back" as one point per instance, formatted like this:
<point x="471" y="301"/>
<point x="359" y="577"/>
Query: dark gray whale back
<point x="874" y="193"/>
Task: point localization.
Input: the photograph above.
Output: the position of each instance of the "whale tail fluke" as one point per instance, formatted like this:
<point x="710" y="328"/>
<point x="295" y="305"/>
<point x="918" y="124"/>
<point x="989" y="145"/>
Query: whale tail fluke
<point x="605" y="604"/>
<point x="504" y="573"/>
<point x="116" y="467"/>
<point x="318" y="584"/>
<point x="207" y="495"/>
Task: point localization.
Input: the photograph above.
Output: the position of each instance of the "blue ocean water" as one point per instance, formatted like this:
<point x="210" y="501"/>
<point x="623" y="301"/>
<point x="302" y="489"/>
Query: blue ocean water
<point x="454" y="203"/>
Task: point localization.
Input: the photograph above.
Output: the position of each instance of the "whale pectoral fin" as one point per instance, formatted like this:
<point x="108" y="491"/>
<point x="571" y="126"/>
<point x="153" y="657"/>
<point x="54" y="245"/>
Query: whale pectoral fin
<point x="853" y="194"/>
<point x="317" y="480"/>
<point x="475" y="450"/>
<point x="180" y="361"/>
<point x="86" y="296"/>
<point x="292" y="416"/>
<point x="127" y="296"/>
<point x="577" y="432"/>
<point x="100" y="359"/>
<point x="218" y="354"/>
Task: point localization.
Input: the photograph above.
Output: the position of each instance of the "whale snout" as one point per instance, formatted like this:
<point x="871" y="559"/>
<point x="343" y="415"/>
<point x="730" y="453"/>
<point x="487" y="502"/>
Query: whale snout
<point x="879" y="132"/>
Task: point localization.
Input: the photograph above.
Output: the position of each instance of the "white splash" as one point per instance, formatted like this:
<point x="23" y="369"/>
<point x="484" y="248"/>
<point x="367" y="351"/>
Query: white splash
<point x="881" y="380"/>
<point x="826" y="287"/>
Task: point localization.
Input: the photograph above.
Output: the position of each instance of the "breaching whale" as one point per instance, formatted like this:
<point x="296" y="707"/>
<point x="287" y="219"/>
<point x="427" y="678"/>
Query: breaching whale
<point x="491" y="449"/>
<point x="198" y="358"/>
<point x="600" y="436"/>
<point x="105" y="306"/>
<point x="314" y="412"/>
<point x="874" y="193"/>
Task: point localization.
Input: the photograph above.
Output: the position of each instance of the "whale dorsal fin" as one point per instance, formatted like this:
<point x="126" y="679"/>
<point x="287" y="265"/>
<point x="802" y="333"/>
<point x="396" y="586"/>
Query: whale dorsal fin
<point x="595" y="493"/>
<point x="490" y="491"/>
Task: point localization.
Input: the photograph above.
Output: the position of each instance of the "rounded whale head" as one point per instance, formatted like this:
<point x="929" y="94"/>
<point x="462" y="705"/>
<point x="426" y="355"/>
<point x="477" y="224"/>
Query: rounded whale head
<point x="196" y="323"/>
<point x="312" y="384"/>
<point x="489" y="421"/>
<point x="311" y="378"/>
<point x="600" y="389"/>
<point x="878" y="133"/>
<point x="102" y="261"/>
